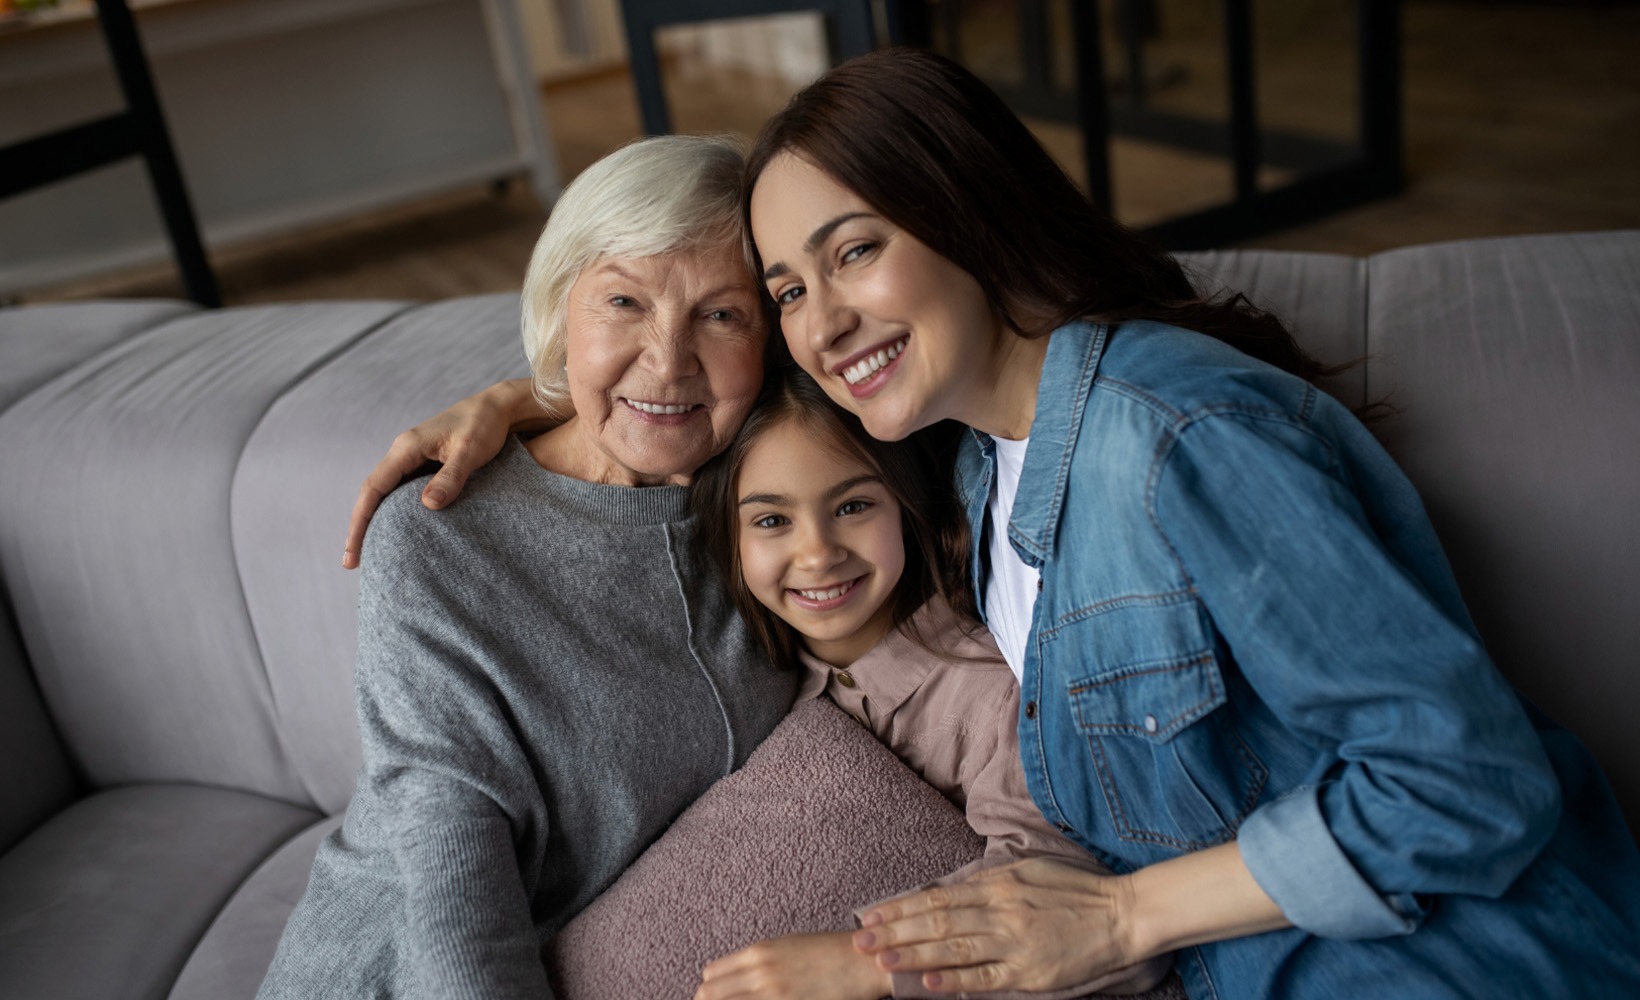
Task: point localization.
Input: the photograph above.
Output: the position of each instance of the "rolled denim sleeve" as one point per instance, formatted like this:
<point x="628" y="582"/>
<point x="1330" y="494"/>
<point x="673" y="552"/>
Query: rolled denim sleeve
<point x="1313" y="557"/>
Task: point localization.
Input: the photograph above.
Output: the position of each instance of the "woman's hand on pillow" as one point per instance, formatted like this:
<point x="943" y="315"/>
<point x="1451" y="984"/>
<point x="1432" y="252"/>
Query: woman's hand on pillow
<point x="797" y="967"/>
<point x="460" y="439"/>
<point x="1035" y="925"/>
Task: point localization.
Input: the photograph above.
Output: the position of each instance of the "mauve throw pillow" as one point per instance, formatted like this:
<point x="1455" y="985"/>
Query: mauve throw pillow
<point x="821" y="820"/>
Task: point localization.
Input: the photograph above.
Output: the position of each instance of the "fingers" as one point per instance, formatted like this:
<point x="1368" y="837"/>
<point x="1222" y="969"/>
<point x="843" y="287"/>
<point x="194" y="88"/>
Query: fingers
<point x="746" y="973"/>
<point x="959" y="950"/>
<point x="988" y="978"/>
<point x="364" y="508"/>
<point x="403" y="458"/>
<point x="461" y="455"/>
<point x="946" y="897"/>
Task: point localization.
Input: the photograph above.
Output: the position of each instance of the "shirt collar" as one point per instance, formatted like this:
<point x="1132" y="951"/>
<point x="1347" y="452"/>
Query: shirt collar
<point x="892" y="671"/>
<point x="1068" y="372"/>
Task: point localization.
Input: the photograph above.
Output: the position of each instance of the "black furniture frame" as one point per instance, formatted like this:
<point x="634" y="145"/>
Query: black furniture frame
<point x="1330" y="176"/>
<point x="139" y="130"/>
<point x="850" y="31"/>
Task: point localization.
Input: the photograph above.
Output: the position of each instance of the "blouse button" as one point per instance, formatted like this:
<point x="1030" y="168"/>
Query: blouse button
<point x="1030" y="710"/>
<point x="844" y="679"/>
<point x="1150" y="724"/>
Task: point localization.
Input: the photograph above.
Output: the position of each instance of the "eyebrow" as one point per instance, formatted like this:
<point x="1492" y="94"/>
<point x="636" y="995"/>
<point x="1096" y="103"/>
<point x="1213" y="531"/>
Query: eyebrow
<point x="819" y="236"/>
<point x="733" y="287"/>
<point x="782" y="500"/>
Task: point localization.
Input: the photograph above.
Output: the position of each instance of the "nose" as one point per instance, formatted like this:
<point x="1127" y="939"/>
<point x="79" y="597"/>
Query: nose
<point x="670" y="352"/>
<point x="828" y="319"/>
<point x="818" y="551"/>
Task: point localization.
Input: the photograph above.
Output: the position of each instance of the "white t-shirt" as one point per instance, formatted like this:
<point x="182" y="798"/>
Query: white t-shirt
<point x="1010" y="593"/>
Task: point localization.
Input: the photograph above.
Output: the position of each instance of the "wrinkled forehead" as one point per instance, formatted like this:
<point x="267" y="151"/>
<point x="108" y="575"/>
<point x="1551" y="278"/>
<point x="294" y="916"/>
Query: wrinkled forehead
<point x="692" y="268"/>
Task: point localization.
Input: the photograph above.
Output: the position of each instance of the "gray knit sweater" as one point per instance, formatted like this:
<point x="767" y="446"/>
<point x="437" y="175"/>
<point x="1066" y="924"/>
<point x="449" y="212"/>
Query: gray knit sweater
<point x="546" y="677"/>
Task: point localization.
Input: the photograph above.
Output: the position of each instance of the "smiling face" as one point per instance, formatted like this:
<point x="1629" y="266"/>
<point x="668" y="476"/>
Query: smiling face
<point x="893" y="331"/>
<point x="820" y="541"/>
<point x="664" y="360"/>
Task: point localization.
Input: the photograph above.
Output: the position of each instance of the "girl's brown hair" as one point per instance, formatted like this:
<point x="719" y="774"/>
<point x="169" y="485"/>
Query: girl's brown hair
<point x="917" y="471"/>
<point x="936" y="152"/>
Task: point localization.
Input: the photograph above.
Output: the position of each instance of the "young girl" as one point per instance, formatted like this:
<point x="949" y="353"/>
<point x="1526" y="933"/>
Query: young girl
<point x="846" y="555"/>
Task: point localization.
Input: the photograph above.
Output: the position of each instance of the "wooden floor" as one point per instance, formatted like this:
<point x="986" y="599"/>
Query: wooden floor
<point x="1520" y="118"/>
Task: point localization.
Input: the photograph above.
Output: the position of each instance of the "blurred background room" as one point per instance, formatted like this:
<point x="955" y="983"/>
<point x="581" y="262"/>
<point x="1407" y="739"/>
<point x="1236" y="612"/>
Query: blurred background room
<point x="410" y="149"/>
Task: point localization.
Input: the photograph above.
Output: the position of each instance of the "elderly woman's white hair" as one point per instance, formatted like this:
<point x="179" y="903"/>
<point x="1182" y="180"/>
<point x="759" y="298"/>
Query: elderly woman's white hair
<point x="652" y="196"/>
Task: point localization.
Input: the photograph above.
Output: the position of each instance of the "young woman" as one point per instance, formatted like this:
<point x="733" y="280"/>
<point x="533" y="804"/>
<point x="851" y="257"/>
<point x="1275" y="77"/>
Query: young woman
<point x="847" y="557"/>
<point x="1249" y="684"/>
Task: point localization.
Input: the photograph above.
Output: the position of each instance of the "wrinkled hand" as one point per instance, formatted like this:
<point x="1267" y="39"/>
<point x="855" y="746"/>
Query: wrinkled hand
<point x="1035" y="925"/>
<point x="798" y="967"/>
<point x="462" y="438"/>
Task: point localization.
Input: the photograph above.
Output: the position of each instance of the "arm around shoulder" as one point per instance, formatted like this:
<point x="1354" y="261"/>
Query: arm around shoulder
<point x="460" y="439"/>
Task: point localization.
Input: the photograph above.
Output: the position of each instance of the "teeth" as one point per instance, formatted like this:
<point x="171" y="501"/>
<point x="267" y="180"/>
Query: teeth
<point x="872" y="363"/>
<point x="826" y="595"/>
<point x="659" y="408"/>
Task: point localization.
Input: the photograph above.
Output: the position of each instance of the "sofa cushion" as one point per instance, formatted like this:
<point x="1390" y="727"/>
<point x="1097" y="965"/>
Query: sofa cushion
<point x="108" y="897"/>
<point x="236" y="952"/>
<point x="1515" y="365"/>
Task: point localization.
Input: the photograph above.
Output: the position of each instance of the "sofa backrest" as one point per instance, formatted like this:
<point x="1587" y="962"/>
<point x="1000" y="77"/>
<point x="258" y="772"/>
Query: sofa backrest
<point x="160" y="553"/>
<point x="172" y="509"/>
<point x="1516" y="367"/>
<point x="36" y="775"/>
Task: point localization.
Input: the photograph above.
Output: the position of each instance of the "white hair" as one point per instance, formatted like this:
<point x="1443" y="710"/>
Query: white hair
<point x="652" y="196"/>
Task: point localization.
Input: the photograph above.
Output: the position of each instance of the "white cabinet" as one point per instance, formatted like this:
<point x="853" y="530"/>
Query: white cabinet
<point x="285" y="113"/>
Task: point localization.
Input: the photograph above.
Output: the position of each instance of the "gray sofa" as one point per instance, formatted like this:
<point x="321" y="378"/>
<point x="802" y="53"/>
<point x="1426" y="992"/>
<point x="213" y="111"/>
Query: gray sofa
<point x="176" y="722"/>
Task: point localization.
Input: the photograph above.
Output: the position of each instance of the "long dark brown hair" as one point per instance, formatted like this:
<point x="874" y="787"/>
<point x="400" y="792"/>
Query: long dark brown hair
<point x="916" y="471"/>
<point x="937" y="153"/>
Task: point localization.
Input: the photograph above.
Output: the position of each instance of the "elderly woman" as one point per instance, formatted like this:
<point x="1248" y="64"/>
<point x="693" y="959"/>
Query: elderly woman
<point x="546" y="675"/>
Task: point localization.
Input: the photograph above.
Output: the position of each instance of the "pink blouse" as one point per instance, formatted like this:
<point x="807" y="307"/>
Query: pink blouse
<point x="953" y="718"/>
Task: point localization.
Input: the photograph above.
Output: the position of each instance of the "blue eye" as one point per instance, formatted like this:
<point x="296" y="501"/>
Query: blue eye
<point x="789" y="296"/>
<point x="622" y="301"/>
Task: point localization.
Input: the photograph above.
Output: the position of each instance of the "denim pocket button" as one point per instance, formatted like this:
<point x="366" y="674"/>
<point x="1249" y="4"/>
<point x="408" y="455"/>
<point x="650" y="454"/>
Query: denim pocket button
<point x="1150" y="723"/>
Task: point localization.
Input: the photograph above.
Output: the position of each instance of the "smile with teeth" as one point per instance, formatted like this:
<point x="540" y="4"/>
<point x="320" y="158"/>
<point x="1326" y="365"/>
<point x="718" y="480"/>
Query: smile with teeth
<point x="872" y="363"/>
<point x="829" y="594"/>
<point x="660" y="409"/>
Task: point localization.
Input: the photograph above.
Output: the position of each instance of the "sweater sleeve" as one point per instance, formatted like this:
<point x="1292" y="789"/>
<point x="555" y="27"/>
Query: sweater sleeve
<point x="444" y="773"/>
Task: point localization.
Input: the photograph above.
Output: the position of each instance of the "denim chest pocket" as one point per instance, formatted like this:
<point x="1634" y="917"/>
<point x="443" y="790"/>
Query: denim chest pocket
<point x="1161" y="741"/>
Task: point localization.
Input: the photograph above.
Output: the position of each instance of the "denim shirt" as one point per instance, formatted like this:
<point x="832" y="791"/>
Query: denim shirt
<point x="1246" y="630"/>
